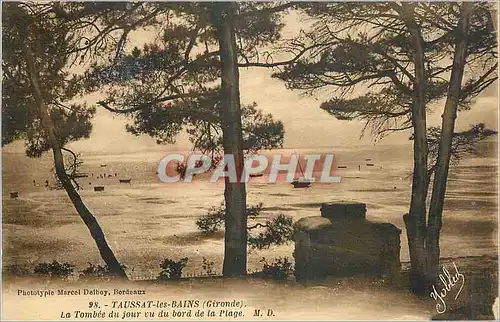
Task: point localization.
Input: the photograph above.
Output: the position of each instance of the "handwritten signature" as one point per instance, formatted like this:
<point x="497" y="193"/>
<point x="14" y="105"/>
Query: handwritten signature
<point x="449" y="281"/>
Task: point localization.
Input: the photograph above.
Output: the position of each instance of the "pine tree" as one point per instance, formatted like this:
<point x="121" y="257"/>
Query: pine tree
<point x="172" y="84"/>
<point x="402" y="54"/>
<point x="37" y="50"/>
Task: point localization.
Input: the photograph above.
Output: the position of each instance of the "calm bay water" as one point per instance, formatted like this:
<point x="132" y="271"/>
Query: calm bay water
<point x="148" y="220"/>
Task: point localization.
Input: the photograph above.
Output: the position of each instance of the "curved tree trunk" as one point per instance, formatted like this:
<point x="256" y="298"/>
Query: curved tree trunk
<point x="235" y="237"/>
<point x="415" y="221"/>
<point x="87" y="217"/>
<point x="444" y="152"/>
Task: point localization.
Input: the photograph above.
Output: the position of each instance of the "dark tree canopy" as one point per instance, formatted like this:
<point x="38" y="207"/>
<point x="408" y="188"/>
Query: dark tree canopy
<point x="49" y="39"/>
<point x="184" y="62"/>
<point x="171" y="85"/>
<point x="368" y="47"/>
<point x="61" y="35"/>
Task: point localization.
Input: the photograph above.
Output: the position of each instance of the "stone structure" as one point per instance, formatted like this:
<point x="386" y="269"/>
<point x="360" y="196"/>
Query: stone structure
<point x="343" y="243"/>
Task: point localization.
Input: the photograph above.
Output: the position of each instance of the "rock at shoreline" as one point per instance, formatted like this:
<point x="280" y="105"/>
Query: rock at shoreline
<point x="343" y="243"/>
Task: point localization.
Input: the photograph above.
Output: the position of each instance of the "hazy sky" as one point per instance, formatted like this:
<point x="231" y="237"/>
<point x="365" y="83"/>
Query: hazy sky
<point x="306" y="125"/>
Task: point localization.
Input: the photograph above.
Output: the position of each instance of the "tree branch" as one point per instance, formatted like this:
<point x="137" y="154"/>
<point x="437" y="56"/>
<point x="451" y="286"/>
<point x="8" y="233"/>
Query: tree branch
<point x="142" y="106"/>
<point x="258" y="225"/>
<point x="286" y="62"/>
<point x="267" y="10"/>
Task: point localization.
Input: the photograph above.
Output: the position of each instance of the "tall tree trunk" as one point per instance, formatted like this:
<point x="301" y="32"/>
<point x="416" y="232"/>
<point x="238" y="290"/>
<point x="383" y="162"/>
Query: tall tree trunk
<point x="444" y="152"/>
<point x="235" y="237"/>
<point x="87" y="217"/>
<point x="415" y="221"/>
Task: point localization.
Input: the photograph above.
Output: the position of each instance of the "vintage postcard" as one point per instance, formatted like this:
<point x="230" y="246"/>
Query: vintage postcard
<point x="249" y="161"/>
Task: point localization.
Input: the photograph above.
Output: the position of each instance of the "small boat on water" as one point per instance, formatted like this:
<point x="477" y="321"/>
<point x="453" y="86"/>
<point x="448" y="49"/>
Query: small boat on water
<point x="125" y="180"/>
<point x="342" y="167"/>
<point x="368" y="159"/>
<point x="370" y="164"/>
<point x="81" y="175"/>
<point x="256" y="175"/>
<point x="301" y="183"/>
<point x="103" y="165"/>
<point x="98" y="188"/>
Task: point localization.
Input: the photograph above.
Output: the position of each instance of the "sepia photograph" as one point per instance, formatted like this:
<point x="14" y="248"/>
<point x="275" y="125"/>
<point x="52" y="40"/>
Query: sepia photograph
<point x="249" y="161"/>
